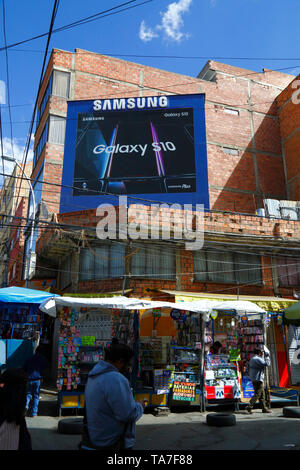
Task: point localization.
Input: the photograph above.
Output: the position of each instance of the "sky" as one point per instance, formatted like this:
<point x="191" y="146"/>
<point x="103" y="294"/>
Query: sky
<point x="182" y="34"/>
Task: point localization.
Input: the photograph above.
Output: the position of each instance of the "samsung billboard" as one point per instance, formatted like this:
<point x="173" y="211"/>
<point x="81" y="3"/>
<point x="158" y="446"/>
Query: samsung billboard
<point x="147" y="148"/>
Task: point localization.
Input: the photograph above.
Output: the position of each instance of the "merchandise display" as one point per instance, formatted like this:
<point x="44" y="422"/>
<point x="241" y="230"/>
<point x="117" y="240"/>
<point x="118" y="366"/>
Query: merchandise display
<point x="226" y="373"/>
<point x="170" y="365"/>
<point x="221" y="378"/>
<point x="25" y="322"/>
<point x="83" y="336"/>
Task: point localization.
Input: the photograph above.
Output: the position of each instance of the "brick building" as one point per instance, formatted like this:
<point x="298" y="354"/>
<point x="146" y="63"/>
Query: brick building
<point x="251" y="130"/>
<point x="14" y="203"/>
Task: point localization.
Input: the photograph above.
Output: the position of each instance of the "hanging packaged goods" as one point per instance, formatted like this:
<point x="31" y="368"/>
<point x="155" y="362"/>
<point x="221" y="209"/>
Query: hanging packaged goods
<point x="175" y="357"/>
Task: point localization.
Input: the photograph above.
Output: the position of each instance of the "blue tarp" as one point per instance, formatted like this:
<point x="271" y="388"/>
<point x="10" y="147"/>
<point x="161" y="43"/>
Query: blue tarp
<point x="21" y="295"/>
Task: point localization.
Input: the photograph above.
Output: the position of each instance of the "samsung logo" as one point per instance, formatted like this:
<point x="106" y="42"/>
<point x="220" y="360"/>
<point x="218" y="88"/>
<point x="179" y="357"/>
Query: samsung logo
<point x="131" y="103"/>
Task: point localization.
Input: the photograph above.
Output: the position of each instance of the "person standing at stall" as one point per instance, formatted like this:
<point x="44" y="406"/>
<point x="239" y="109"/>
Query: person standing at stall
<point x="35" y="367"/>
<point x="257" y="366"/>
<point x="14" y="434"/>
<point x="110" y="409"/>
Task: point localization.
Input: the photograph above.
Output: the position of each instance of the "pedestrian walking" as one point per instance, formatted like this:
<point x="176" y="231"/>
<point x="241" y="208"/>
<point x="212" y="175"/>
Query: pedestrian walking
<point x="35" y="367"/>
<point x="110" y="409"/>
<point x="257" y="366"/>
<point x="14" y="434"/>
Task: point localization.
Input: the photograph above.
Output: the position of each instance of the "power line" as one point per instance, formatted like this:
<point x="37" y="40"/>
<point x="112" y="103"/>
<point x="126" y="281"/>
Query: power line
<point x="134" y="276"/>
<point x="26" y="150"/>
<point x="7" y="78"/>
<point x="99" y="15"/>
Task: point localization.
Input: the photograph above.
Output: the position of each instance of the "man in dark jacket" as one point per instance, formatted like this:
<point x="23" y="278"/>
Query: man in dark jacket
<point x="257" y="367"/>
<point x="34" y="366"/>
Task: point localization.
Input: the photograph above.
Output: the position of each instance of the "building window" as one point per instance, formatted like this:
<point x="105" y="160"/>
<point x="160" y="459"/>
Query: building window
<point x="61" y="84"/>
<point x="57" y="130"/>
<point x="54" y="132"/>
<point x="41" y="143"/>
<point x="228" y="267"/>
<point x="58" y="85"/>
<point x="288" y="271"/>
<point x="154" y="262"/>
<point x="44" y="101"/>
<point x="102" y="262"/>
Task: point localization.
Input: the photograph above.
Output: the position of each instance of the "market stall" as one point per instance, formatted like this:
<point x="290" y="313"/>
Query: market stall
<point x="168" y="361"/>
<point x="171" y="354"/>
<point x="21" y="324"/>
<point x="237" y="328"/>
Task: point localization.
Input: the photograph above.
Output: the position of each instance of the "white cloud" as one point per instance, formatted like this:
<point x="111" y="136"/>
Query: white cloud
<point x="171" y="23"/>
<point x="17" y="152"/>
<point x="146" y="34"/>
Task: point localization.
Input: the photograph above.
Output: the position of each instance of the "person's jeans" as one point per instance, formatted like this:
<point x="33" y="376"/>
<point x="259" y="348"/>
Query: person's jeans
<point x="259" y="394"/>
<point x="33" y="392"/>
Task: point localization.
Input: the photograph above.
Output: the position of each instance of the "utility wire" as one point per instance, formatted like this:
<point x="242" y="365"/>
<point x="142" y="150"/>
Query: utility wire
<point x="54" y="12"/>
<point x="99" y="15"/>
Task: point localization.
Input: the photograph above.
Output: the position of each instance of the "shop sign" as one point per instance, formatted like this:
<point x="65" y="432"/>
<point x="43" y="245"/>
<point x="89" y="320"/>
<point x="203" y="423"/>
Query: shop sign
<point x="185" y="391"/>
<point x="88" y="340"/>
<point x="214" y="314"/>
<point x="178" y="315"/>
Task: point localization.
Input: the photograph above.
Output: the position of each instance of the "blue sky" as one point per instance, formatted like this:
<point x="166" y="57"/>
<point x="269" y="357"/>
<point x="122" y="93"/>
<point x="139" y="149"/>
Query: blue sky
<point x="230" y="29"/>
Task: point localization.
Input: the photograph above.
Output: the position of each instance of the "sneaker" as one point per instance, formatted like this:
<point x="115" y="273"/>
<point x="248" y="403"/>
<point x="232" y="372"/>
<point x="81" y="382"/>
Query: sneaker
<point x="266" y="411"/>
<point x="249" y="409"/>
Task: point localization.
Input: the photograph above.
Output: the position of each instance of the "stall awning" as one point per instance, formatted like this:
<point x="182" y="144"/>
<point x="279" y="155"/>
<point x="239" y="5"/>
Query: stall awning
<point x="291" y="315"/>
<point x="268" y="304"/>
<point x="21" y="295"/>
<point x="125" y="303"/>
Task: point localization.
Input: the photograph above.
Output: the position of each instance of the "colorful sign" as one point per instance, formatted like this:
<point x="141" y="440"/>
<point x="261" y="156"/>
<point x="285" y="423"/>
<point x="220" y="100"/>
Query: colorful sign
<point x="185" y="391"/>
<point x="88" y="340"/>
<point x="148" y="146"/>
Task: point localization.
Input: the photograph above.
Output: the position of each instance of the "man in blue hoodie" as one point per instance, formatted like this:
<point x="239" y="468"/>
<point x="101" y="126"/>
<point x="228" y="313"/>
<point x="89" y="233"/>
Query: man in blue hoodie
<point x="257" y="367"/>
<point x="111" y="411"/>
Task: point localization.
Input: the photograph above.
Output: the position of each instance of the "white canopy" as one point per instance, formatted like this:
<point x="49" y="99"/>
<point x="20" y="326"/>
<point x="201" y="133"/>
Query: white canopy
<point x="240" y="307"/>
<point x="204" y="306"/>
<point x="50" y="305"/>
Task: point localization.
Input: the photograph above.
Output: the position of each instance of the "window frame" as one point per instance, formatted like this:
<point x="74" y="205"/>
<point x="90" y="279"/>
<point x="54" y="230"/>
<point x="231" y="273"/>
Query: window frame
<point x="92" y="275"/>
<point x="235" y="269"/>
<point x="148" y="275"/>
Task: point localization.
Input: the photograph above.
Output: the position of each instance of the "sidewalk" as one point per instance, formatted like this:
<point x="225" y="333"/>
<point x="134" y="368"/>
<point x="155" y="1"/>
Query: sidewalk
<point x="180" y="431"/>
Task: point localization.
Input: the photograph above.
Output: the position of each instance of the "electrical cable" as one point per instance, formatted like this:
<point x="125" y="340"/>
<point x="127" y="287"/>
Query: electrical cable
<point x="26" y="150"/>
<point x="104" y="13"/>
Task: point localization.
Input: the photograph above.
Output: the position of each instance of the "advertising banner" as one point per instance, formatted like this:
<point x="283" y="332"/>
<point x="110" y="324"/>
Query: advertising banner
<point x="151" y="147"/>
<point x="185" y="391"/>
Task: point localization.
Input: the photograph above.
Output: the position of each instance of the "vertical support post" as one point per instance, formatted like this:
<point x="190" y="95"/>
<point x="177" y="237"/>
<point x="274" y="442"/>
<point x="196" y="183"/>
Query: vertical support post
<point x="135" y="350"/>
<point x="202" y="383"/>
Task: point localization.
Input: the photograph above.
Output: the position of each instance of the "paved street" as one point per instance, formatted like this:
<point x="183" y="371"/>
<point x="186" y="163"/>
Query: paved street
<point x="182" y="431"/>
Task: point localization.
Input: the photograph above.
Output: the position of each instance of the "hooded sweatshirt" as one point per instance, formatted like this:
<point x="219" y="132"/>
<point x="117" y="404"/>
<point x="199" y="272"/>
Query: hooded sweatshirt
<point x="109" y="406"/>
<point x="257" y="367"/>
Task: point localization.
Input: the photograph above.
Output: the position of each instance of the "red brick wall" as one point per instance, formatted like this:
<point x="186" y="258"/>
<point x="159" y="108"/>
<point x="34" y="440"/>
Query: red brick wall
<point x="99" y="76"/>
<point x="289" y="118"/>
<point x="214" y="223"/>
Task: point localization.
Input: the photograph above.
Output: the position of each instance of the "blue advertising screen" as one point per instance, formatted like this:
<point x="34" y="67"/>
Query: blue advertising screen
<point x="147" y="148"/>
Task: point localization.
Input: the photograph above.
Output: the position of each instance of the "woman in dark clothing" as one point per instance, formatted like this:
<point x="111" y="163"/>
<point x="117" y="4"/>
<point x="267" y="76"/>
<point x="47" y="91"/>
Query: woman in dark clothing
<point x="14" y="434"/>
